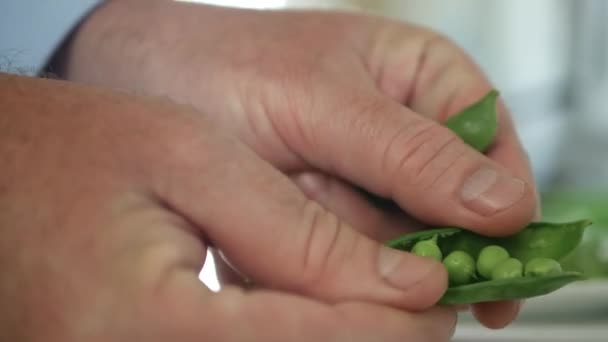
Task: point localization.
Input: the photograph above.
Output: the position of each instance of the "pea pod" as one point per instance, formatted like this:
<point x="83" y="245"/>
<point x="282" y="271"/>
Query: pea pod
<point x="539" y="239"/>
<point x="477" y="124"/>
<point x="545" y="240"/>
<point x="508" y="289"/>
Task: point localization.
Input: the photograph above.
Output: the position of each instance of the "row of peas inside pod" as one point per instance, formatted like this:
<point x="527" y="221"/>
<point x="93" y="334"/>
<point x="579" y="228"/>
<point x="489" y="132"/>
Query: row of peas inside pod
<point x="483" y="269"/>
<point x="493" y="263"/>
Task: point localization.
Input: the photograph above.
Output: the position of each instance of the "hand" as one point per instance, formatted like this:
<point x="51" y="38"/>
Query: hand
<point x="356" y="100"/>
<point x="108" y="202"/>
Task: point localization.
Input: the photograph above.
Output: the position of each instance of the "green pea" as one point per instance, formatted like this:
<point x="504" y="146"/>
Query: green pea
<point x="508" y="269"/>
<point x="489" y="258"/>
<point x="467" y="242"/>
<point x="477" y="124"/>
<point x="539" y="267"/>
<point x="460" y="267"/>
<point x="428" y="248"/>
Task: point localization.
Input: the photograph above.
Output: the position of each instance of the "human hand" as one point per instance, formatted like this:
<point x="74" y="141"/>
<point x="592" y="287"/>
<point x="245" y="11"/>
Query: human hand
<point x="356" y="100"/>
<point x="108" y="203"/>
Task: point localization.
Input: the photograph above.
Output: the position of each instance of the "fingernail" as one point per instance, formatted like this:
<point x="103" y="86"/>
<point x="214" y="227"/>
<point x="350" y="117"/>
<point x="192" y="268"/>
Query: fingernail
<point x="403" y="270"/>
<point x="487" y="192"/>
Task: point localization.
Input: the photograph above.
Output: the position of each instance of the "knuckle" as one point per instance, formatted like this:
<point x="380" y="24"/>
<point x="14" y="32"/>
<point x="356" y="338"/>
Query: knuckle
<point x="363" y="124"/>
<point x="323" y="231"/>
<point x="395" y="152"/>
<point x="437" y="40"/>
<point x="428" y="148"/>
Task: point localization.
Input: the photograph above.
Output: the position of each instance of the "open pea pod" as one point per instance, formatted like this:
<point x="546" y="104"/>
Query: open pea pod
<point x="508" y="289"/>
<point x="539" y="239"/>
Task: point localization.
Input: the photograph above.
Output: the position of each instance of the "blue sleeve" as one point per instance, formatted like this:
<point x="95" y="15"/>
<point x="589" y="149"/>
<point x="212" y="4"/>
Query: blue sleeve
<point x="31" y="30"/>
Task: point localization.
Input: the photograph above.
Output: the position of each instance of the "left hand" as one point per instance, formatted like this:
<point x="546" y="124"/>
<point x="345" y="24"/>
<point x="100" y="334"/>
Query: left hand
<point x="355" y="101"/>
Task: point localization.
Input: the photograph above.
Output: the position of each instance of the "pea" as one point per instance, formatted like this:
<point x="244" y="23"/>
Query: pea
<point x="460" y="267"/>
<point x="539" y="267"/>
<point x="477" y="124"/>
<point x="428" y="248"/>
<point x="489" y="258"/>
<point x="508" y="269"/>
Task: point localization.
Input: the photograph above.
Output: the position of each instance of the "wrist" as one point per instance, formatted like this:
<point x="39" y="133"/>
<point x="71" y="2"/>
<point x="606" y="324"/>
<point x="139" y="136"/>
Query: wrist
<point x="139" y="45"/>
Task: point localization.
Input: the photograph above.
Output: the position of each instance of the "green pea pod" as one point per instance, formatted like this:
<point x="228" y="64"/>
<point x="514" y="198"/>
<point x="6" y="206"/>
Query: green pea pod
<point x="539" y="239"/>
<point x="507" y="289"/>
<point x="545" y="240"/>
<point x="477" y="124"/>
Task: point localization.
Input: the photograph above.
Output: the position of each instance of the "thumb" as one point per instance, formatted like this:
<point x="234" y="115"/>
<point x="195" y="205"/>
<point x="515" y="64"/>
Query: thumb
<point x="427" y="169"/>
<point x="272" y="233"/>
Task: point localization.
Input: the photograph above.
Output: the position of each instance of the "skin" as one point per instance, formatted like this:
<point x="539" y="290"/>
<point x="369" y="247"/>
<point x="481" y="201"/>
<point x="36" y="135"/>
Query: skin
<point x="104" y="233"/>
<point x="338" y="102"/>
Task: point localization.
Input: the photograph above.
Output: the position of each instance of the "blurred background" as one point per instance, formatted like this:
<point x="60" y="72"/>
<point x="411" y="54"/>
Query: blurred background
<point x="549" y="59"/>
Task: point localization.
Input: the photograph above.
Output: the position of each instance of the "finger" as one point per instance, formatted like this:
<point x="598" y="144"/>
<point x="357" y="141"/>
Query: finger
<point x="496" y="315"/>
<point x="139" y="250"/>
<point x="447" y="82"/>
<point x="507" y="149"/>
<point x="353" y="207"/>
<point x="394" y="152"/>
<point x="273" y="234"/>
<point x="345" y="202"/>
<point x="233" y="315"/>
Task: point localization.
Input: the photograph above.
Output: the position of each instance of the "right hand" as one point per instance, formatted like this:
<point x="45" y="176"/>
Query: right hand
<point x="108" y="203"/>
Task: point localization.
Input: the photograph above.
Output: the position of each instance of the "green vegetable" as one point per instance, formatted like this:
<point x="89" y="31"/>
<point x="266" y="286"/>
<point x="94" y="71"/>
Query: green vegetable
<point x="428" y="248"/>
<point x="539" y="267"/>
<point x="460" y="266"/>
<point x="547" y="240"/>
<point x="591" y="256"/>
<point x="508" y="269"/>
<point x="477" y="124"/>
<point x="507" y="289"/>
<point x="489" y="258"/>
<point x="550" y="234"/>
